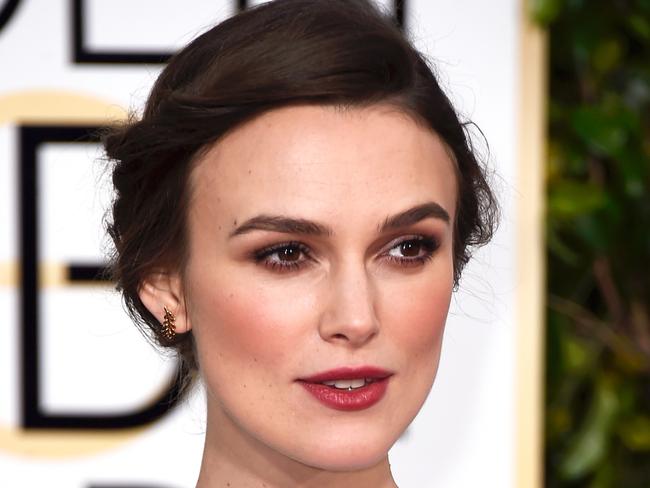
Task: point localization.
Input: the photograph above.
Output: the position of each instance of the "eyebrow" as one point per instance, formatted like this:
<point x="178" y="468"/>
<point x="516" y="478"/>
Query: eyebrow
<point x="288" y="225"/>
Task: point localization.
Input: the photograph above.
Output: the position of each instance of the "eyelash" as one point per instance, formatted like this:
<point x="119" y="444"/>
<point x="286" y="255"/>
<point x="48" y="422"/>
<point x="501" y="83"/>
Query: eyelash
<point x="261" y="257"/>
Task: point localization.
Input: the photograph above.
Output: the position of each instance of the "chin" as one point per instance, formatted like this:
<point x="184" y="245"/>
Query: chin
<point x="345" y="456"/>
<point x="342" y="464"/>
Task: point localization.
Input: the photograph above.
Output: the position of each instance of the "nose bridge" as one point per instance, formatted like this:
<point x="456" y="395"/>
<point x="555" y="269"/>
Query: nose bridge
<point x="349" y="315"/>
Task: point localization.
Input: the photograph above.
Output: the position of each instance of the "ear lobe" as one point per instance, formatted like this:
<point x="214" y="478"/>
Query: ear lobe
<point x="162" y="290"/>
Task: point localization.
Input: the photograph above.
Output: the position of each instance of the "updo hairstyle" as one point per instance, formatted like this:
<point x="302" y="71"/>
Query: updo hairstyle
<point x="287" y="52"/>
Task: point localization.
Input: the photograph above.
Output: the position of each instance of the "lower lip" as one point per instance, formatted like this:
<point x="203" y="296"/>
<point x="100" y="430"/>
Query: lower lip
<point x="348" y="400"/>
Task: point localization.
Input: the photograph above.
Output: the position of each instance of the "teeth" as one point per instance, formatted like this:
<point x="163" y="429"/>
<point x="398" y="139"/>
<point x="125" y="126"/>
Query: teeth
<point x="347" y="384"/>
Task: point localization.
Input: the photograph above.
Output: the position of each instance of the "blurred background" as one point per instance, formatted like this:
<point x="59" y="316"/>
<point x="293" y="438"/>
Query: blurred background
<point x="597" y="174"/>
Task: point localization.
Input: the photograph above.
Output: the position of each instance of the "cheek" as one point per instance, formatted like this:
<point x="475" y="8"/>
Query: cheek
<point x="239" y="326"/>
<point x="416" y="317"/>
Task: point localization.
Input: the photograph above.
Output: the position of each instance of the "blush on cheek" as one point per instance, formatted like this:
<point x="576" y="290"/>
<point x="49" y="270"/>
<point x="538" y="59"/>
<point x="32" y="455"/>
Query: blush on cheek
<point x="419" y="318"/>
<point x="243" y="323"/>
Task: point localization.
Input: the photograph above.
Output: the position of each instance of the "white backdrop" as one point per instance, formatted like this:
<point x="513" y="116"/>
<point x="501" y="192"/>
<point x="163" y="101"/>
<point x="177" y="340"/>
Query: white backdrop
<point x="91" y="360"/>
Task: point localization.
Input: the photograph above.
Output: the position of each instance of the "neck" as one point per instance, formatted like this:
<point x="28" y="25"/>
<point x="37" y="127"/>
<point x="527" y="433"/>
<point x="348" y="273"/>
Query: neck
<point x="233" y="460"/>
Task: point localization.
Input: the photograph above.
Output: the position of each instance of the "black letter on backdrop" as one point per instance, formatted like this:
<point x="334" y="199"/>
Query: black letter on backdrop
<point x="7" y="12"/>
<point x="32" y="414"/>
<point x="399" y="11"/>
<point x="82" y="55"/>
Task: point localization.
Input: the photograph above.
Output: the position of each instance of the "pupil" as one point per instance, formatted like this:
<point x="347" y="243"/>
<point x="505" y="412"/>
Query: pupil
<point x="410" y="248"/>
<point x="289" y="254"/>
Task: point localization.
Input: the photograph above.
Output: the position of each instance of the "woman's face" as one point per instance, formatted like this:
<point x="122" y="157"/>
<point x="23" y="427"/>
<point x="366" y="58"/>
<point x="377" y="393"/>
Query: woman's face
<point x="320" y="240"/>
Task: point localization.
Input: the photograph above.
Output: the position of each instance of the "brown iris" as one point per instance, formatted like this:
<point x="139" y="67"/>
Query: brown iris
<point x="289" y="254"/>
<point x="410" y="248"/>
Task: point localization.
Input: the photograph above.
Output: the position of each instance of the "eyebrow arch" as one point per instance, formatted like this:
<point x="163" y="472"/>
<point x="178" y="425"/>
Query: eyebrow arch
<point x="288" y="225"/>
<point x="414" y="215"/>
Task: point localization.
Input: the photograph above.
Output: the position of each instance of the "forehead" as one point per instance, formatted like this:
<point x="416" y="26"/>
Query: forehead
<point x="325" y="163"/>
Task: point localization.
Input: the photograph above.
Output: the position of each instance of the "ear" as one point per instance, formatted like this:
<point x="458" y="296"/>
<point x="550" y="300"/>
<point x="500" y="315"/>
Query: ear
<point x="161" y="290"/>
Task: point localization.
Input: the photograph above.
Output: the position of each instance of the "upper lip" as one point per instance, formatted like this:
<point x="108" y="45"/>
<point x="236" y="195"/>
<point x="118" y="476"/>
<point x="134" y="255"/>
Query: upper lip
<point x="348" y="373"/>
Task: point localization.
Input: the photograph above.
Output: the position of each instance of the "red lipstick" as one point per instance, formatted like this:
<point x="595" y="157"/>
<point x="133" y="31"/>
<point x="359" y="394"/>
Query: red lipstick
<point x="350" y="398"/>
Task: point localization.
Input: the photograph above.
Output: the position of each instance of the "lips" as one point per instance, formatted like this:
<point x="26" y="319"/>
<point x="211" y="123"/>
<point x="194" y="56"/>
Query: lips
<point x="348" y="373"/>
<point x="348" y="388"/>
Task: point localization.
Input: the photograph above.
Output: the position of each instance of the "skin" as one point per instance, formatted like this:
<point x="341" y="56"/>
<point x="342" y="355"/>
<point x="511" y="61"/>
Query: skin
<point x="259" y="329"/>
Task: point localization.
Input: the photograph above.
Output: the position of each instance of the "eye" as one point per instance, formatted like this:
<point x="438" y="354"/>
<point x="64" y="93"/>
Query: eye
<point x="291" y="256"/>
<point x="413" y="251"/>
<point x="283" y="257"/>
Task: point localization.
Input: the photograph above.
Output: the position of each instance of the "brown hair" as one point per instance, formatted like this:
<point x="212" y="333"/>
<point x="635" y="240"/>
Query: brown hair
<point x="285" y="52"/>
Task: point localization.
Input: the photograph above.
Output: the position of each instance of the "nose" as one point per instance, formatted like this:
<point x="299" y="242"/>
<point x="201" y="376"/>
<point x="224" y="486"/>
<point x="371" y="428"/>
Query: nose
<point x="349" y="314"/>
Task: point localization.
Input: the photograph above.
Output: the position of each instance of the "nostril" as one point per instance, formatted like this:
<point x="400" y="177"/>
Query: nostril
<point x="340" y="336"/>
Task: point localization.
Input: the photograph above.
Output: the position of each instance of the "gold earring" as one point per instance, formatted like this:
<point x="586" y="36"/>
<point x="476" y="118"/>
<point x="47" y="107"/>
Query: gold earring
<point x="168" y="325"/>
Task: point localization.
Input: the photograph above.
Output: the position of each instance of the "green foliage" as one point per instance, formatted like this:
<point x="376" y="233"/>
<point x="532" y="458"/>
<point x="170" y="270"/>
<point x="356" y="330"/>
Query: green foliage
<point x="598" y="243"/>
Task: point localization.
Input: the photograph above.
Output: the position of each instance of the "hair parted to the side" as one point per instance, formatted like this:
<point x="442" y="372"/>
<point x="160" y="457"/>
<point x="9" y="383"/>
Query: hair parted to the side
<point x="281" y="53"/>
